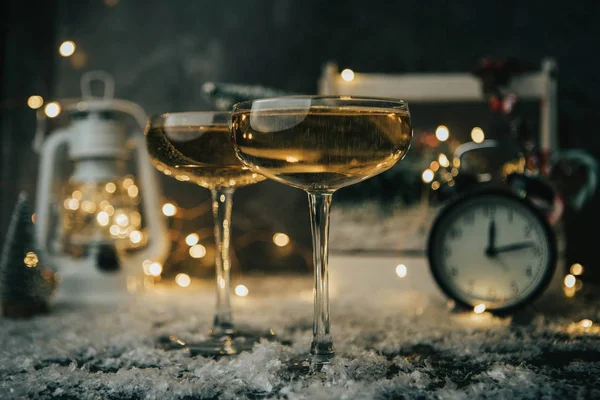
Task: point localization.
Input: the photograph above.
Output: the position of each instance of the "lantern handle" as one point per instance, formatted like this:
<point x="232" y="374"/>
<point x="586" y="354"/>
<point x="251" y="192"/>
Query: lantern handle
<point x="44" y="187"/>
<point x="98" y="75"/>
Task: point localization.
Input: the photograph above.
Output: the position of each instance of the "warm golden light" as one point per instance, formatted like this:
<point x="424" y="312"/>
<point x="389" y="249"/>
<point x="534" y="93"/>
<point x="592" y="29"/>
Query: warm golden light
<point x="434" y="165"/>
<point x="33" y="218"/>
<point x="67" y="48"/>
<point x="110" y="187"/>
<point x="427" y="175"/>
<point x="31" y="259"/>
<point x="477" y="135"/>
<point x="281" y="239"/>
<point x="442" y="133"/>
<point x="133" y="191"/>
<point x="114" y="230"/>
<point x="122" y="220"/>
<point x="570" y="281"/>
<point x="35" y="102"/>
<point x="347" y="75"/>
<point x="586" y="323"/>
<point x="88" y="206"/>
<point x="135" y="237"/>
<point x="401" y="270"/>
<point x="183" y="280"/>
<point x="192" y="239"/>
<point x="443" y="160"/>
<point x="241" y="290"/>
<point x="169" y="209"/>
<point x="197" y="251"/>
<point x="73" y="204"/>
<point x="291" y="159"/>
<point x="435" y="185"/>
<point x="102" y="218"/>
<point x="576" y="269"/>
<point x="52" y="110"/>
<point x="127" y="182"/>
<point x="146" y="266"/>
<point x="456" y="162"/>
<point x="155" y="269"/>
<point x="479" y="308"/>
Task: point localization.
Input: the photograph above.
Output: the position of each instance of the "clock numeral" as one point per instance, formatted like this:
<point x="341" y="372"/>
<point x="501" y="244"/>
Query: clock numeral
<point x="470" y="218"/>
<point x="529" y="271"/>
<point x="514" y="287"/>
<point x="456" y="233"/>
<point x="527" y="230"/>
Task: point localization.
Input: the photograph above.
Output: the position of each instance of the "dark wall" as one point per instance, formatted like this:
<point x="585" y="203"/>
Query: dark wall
<point x="161" y="52"/>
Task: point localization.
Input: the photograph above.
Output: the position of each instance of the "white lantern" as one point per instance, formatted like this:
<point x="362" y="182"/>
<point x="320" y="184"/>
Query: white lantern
<point x="98" y="213"/>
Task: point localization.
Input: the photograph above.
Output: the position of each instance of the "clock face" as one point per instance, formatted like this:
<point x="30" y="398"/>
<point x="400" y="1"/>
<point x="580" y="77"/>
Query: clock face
<point x="492" y="248"/>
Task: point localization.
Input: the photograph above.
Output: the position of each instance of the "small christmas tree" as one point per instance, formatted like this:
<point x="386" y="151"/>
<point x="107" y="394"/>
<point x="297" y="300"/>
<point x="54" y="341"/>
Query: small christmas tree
<point x="26" y="284"/>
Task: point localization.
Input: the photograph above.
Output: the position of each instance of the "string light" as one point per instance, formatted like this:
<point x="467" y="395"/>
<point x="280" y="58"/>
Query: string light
<point x="241" y="290"/>
<point x="281" y="239"/>
<point x="135" y="237"/>
<point x="192" y="239"/>
<point x="576" y="269"/>
<point x="442" y="133"/>
<point x="401" y="270"/>
<point x="477" y="135"/>
<point x="570" y="281"/>
<point x="155" y="269"/>
<point x="35" y="102"/>
<point x="586" y="323"/>
<point x="52" y="110"/>
<point x="479" y="308"/>
<point x="103" y="218"/>
<point x="31" y="259"/>
<point x="348" y="75"/>
<point x="427" y="175"/>
<point x="183" y="280"/>
<point x="435" y="185"/>
<point x="169" y="209"/>
<point x="434" y="165"/>
<point x="67" y="48"/>
<point x="443" y="160"/>
<point x="110" y="187"/>
<point x="197" y="251"/>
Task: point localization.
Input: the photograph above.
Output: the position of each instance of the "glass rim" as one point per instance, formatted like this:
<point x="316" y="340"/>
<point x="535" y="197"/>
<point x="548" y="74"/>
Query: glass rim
<point x="188" y="118"/>
<point x="393" y="103"/>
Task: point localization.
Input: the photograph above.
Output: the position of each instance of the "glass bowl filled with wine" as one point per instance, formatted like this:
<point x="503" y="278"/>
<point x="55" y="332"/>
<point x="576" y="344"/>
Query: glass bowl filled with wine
<point x="196" y="147"/>
<point x="320" y="144"/>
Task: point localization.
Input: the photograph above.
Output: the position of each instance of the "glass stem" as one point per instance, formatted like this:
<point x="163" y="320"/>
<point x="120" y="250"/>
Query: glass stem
<point x="321" y="348"/>
<point x="222" y="201"/>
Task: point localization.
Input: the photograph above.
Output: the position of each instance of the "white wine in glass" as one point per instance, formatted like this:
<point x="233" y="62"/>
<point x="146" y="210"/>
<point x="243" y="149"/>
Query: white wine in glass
<point x="196" y="147"/>
<point x="320" y="144"/>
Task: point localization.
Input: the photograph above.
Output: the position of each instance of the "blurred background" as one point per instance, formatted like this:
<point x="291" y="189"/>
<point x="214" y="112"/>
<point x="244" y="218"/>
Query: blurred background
<point x="162" y="53"/>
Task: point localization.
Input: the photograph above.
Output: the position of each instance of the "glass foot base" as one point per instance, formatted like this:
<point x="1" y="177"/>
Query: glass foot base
<point x="220" y="344"/>
<point x="308" y="365"/>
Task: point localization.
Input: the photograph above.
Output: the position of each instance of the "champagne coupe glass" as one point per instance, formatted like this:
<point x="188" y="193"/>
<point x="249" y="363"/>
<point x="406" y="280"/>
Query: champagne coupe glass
<point x="196" y="147"/>
<point x="320" y="144"/>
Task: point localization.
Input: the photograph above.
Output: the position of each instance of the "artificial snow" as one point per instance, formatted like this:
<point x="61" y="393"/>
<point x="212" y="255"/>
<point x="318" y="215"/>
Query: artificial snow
<point x="395" y="338"/>
<point x="385" y="350"/>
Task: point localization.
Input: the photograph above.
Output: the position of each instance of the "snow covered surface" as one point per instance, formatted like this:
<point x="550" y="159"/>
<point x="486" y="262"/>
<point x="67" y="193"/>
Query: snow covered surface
<point x="391" y="344"/>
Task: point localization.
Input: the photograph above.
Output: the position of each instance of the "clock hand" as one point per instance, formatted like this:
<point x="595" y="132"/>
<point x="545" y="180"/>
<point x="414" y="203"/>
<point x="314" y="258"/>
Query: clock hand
<point x="491" y="247"/>
<point x="513" y="247"/>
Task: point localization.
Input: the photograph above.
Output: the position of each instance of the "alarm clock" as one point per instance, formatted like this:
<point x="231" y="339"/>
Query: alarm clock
<point x="494" y="248"/>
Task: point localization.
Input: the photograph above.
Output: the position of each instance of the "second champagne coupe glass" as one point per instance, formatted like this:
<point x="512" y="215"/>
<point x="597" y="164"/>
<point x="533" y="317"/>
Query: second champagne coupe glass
<point x="196" y="147"/>
<point x="320" y="144"/>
